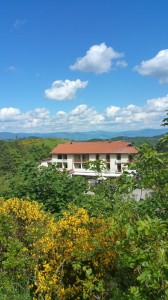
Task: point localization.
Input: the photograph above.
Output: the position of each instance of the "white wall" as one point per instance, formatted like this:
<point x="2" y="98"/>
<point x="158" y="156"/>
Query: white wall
<point x="70" y="161"/>
<point x="124" y="158"/>
<point x="113" y="165"/>
<point x="92" y="157"/>
<point x="54" y="158"/>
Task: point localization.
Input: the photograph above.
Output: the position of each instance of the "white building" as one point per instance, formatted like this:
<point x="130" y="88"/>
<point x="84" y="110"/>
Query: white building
<point x="73" y="156"/>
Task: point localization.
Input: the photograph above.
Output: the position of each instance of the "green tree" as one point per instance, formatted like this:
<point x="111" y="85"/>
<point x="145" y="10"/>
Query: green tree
<point x="165" y="120"/>
<point x="162" y="145"/>
<point x="54" y="188"/>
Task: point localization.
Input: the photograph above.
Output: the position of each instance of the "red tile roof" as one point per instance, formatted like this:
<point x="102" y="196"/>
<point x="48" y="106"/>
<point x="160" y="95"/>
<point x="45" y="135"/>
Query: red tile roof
<point x="94" y="148"/>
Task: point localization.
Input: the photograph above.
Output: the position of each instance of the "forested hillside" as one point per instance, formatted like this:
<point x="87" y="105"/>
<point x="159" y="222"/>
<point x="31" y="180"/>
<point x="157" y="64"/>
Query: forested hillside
<point x="137" y="141"/>
<point x="60" y="241"/>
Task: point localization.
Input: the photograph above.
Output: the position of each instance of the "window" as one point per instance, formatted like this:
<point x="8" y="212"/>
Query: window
<point x="118" y="156"/>
<point x="62" y="156"/>
<point x="97" y="156"/>
<point x="119" y="168"/>
<point x="77" y="157"/>
<point x="85" y="157"/>
<point x="108" y="157"/>
<point x="108" y="166"/>
<point x="65" y="165"/>
<point x="77" y="166"/>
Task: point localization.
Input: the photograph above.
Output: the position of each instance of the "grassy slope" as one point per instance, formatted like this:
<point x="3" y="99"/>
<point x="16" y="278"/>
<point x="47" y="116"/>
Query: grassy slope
<point x="50" y="142"/>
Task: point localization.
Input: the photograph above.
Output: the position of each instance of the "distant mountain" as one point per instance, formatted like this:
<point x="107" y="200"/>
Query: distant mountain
<point x="84" y="136"/>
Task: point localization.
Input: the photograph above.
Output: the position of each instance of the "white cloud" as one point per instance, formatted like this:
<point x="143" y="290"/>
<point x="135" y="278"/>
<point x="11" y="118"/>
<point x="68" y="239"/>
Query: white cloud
<point x="159" y="104"/>
<point x="64" y="90"/>
<point x="60" y="114"/>
<point x="156" y="67"/>
<point x="9" y="114"/>
<point x="121" y="64"/>
<point x="112" y="111"/>
<point x="85" y="118"/>
<point x="42" y="113"/>
<point x="98" y="59"/>
<point x="35" y="118"/>
<point x="136" y="117"/>
<point x="80" y="109"/>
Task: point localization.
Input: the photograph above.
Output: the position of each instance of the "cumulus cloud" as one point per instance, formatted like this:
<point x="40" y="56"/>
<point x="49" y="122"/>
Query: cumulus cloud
<point x="8" y="114"/>
<point x="156" y="67"/>
<point x="64" y="90"/>
<point x="85" y="118"/>
<point x="81" y="118"/>
<point x="136" y="117"/>
<point x="80" y="109"/>
<point x="60" y="115"/>
<point x="83" y="114"/>
<point x="35" y="119"/>
<point x="158" y="104"/>
<point x="42" y="113"/>
<point x="112" y="111"/>
<point x="98" y="59"/>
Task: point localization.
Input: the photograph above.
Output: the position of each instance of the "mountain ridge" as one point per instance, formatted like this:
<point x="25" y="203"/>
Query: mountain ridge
<point x="83" y="136"/>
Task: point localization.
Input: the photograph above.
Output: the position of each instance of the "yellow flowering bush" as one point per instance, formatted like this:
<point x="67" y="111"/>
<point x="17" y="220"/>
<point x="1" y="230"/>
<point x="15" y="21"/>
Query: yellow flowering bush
<point x="78" y="251"/>
<point x="31" y="141"/>
<point x="79" y="257"/>
<point x="67" y="259"/>
<point x="22" y="223"/>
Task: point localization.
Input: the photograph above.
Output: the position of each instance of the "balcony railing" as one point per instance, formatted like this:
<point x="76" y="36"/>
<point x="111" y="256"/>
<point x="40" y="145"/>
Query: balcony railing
<point x="78" y="160"/>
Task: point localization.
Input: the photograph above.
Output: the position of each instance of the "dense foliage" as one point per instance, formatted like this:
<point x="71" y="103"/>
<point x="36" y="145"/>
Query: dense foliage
<point x="61" y="238"/>
<point x="137" y="140"/>
<point x="80" y="257"/>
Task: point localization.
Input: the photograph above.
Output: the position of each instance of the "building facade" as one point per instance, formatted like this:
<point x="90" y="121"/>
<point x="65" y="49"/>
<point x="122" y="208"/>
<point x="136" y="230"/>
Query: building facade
<point x="74" y="155"/>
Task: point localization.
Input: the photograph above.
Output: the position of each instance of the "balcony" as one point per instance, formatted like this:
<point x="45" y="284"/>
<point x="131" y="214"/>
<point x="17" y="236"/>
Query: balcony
<point x="85" y="159"/>
<point x="77" y="160"/>
<point x="80" y="160"/>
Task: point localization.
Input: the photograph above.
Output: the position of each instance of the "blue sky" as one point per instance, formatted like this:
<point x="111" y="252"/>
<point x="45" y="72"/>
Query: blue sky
<point x="81" y="65"/>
